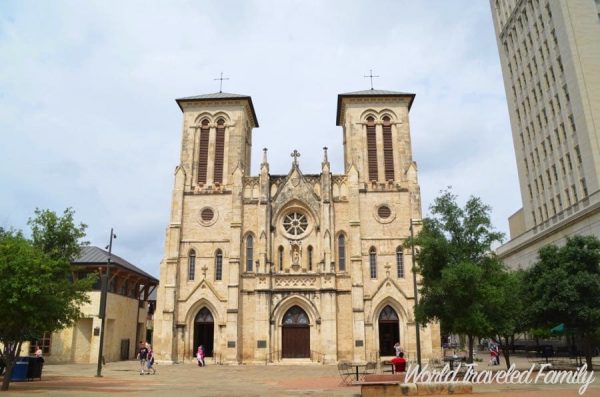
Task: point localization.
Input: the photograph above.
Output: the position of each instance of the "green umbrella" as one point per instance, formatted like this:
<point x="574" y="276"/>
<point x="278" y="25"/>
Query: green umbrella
<point x="558" y="330"/>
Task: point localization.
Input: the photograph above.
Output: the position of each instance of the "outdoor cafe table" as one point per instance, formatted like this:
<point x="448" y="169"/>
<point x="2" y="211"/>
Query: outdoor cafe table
<point x="454" y="360"/>
<point x="357" y="366"/>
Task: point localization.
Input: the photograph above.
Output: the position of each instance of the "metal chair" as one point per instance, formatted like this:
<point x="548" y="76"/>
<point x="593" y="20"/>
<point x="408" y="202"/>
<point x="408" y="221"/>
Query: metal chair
<point x="346" y="374"/>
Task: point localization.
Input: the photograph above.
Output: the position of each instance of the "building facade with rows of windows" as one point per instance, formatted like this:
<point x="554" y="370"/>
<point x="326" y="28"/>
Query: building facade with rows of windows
<point x="551" y="65"/>
<point x="281" y="268"/>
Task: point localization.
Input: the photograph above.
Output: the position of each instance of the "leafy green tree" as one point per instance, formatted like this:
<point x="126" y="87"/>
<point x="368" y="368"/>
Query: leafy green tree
<point x="37" y="291"/>
<point x="506" y="309"/>
<point x="564" y="287"/>
<point x="458" y="266"/>
<point x="59" y="237"/>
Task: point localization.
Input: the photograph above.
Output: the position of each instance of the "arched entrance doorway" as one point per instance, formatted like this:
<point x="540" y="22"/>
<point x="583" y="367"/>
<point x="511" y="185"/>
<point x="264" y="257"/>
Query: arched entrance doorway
<point x="204" y="332"/>
<point x="389" y="331"/>
<point x="295" y="334"/>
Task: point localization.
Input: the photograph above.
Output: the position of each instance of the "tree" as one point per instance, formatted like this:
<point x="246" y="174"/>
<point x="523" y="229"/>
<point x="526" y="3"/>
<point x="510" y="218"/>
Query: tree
<point x="564" y="287"/>
<point x="37" y="290"/>
<point x="457" y="266"/>
<point x="57" y="236"/>
<point x="506" y="309"/>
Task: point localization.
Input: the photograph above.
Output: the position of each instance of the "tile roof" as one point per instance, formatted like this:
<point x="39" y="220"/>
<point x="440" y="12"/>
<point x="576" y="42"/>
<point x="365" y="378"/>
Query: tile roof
<point x="94" y="255"/>
<point x="217" y="96"/>
<point x="373" y="93"/>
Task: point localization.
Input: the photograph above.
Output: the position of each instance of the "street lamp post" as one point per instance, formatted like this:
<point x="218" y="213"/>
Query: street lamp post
<point x="414" y="222"/>
<point x="103" y="298"/>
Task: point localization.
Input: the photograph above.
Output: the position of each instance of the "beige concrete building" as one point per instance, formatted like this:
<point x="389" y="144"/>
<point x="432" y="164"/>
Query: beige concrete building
<point x="550" y="55"/>
<point x="126" y="314"/>
<point x="281" y="268"/>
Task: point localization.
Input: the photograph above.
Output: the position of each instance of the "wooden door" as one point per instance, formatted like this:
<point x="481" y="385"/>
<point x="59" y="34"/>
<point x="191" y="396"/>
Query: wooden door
<point x="296" y="342"/>
<point x="295" y="334"/>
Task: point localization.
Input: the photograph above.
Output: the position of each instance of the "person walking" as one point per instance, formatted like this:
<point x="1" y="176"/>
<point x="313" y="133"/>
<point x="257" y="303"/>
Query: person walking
<point x="142" y="355"/>
<point x="200" y="356"/>
<point x="150" y="360"/>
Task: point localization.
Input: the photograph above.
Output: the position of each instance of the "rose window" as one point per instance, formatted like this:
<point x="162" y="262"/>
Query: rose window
<point x="295" y="223"/>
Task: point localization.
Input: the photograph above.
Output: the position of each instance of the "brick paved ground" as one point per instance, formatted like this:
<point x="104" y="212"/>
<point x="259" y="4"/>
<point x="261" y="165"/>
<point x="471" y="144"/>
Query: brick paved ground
<point x="185" y="380"/>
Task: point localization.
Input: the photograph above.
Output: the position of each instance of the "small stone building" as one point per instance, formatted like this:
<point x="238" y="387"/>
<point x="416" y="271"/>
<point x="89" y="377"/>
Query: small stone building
<point x="126" y="314"/>
<point x="294" y="267"/>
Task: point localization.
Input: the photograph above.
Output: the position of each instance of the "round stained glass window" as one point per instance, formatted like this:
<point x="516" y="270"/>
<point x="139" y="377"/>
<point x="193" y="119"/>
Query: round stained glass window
<point x="295" y="223"/>
<point x="207" y="214"/>
<point x="384" y="212"/>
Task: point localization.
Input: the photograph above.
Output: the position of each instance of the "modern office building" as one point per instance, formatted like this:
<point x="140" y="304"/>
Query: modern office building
<point x="550" y="56"/>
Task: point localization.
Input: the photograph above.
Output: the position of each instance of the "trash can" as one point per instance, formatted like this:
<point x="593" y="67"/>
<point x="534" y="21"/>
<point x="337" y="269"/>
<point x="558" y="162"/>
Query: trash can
<point x="19" y="371"/>
<point x="34" y="369"/>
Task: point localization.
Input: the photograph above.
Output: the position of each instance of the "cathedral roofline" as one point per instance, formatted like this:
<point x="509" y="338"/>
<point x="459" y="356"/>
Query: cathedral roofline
<point x="218" y="96"/>
<point x="371" y="93"/>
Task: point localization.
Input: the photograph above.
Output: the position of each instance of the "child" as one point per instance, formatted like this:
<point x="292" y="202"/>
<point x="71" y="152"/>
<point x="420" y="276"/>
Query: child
<point x="150" y="360"/>
<point x="200" y="356"/>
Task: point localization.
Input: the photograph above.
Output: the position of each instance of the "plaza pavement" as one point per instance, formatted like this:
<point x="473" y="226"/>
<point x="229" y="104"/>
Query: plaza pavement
<point x="187" y="379"/>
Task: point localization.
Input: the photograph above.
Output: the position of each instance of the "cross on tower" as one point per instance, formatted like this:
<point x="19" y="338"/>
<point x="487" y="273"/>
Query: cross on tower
<point x="371" y="77"/>
<point x="295" y="154"/>
<point x="221" y="81"/>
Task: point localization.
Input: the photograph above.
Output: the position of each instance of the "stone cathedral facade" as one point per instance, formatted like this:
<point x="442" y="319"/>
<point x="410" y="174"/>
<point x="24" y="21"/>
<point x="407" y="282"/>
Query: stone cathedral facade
<point x="297" y="267"/>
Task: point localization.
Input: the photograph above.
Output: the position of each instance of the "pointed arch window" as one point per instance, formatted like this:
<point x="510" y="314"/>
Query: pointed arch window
<point x="373" y="262"/>
<point x="203" y="153"/>
<point x="400" y="262"/>
<point x="372" y="149"/>
<point x="218" y="265"/>
<point x="388" y="314"/>
<point x="342" y="253"/>
<point x="219" y="151"/>
<point x="191" y="265"/>
<point x="388" y="151"/>
<point x="295" y="316"/>
<point x="309" y="254"/>
<point x="280" y="258"/>
<point x="249" y="252"/>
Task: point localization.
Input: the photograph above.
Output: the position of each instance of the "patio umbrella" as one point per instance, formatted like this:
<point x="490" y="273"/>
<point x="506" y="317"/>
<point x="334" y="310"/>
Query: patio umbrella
<point x="558" y="330"/>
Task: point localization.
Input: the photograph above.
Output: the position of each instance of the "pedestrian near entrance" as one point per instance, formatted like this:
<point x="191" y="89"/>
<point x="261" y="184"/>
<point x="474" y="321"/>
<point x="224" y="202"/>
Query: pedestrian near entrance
<point x="142" y="355"/>
<point x="150" y="360"/>
<point x="398" y="349"/>
<point x="200" y="356"/>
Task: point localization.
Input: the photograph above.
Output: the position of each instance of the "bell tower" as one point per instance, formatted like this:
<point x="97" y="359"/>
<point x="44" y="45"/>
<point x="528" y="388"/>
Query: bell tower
<point x="217" y="138"/>
<point x="376" y="134"/>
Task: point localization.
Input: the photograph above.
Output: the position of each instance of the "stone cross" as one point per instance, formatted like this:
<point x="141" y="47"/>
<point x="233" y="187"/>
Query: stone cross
<point x="221" y="82"/>
<point x="371" y="77"/>
<point x="295" y="154"/>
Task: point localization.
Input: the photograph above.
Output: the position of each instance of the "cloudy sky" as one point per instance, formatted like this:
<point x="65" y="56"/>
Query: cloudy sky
<point x="88" y="118"/>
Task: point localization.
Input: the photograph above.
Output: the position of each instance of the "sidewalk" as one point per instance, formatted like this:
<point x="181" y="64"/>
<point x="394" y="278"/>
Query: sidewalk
<point x="185" y="380"/>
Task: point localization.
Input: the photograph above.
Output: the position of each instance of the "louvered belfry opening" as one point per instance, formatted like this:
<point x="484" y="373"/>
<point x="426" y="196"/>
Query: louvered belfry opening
<point x="219" y="151"/>
<point x="203" y="154"/>
<point x="388" y="151"/>
<point x="372" y="149"/>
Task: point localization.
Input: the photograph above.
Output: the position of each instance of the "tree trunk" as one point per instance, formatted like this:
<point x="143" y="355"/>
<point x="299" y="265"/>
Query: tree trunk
<point x="471" y="340"/>
<point x="587" y="349"/>
<point x="505" y="351"/>
<point x="10" y="359"/>
<point x="7" y="374"/>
